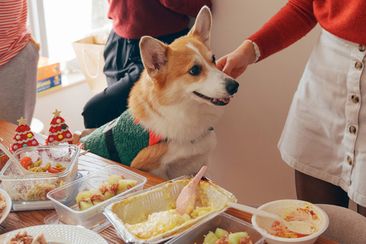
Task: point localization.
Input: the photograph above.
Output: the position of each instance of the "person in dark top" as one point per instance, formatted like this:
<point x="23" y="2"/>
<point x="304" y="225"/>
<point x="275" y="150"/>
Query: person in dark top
<point x="165" y="20"/>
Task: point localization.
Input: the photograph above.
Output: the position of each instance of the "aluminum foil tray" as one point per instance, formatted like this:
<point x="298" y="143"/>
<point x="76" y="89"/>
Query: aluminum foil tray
<point x="137" y="207"/>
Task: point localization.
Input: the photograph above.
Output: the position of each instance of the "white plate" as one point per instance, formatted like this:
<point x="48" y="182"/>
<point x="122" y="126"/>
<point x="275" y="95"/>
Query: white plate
<point x="6" y="211"/>
<point x="65" y="234"/>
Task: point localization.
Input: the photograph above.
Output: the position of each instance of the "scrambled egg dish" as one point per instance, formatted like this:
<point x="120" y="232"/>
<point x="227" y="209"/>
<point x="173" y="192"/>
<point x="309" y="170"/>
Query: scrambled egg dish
<point x="161" y="222"/>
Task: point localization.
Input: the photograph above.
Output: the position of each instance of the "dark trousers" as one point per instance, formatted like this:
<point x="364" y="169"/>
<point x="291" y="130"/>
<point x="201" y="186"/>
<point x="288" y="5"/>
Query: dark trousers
<point x="122" y="68"/>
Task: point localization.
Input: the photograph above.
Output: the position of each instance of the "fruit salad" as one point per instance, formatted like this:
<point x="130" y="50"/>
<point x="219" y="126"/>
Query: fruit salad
<point x="115" y="185"/>
<point x="221" y="236"/>
<point x="39" y="166"/>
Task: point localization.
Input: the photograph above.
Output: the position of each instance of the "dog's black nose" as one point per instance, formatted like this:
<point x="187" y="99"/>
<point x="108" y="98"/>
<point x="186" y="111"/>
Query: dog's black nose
<point x="231" y="86"/>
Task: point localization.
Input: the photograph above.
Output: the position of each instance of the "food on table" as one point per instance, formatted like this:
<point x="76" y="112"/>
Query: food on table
<point x="32" y="191"/>
<point x="237" y="238"/>
<point x="23" y="237"/>
<point x="301" y="214"/>
<point x="210" y="238"/>
<point x="28" y="188"/>
<point x="152" y="215"/>
<point x="2" y="204"/>
<point x="115" y="185"/>
<point x="39" y="191"/>
<point x="221" y="236"/>
<point x="161" y="222"/>
<point x="3" y="159"/>
<point x="221" y="233"/>
<point x="39" y="166"/>
<point x="54" y="165"/>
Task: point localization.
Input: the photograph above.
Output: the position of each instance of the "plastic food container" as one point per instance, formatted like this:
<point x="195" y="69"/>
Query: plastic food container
<point x="35" y="205"/>
<point x="224" y="221"/>
<point x="137" y="207"/>
<point x="283" y="206"/>
<point x="25" y="187"/>
<point x="63" y="198"/>
<point x="66" y="155"/>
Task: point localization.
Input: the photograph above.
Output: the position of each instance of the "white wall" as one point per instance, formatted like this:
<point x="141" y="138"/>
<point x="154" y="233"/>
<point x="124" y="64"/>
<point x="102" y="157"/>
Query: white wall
<point x="246" y="160"/>
<point x="70" y="100"/>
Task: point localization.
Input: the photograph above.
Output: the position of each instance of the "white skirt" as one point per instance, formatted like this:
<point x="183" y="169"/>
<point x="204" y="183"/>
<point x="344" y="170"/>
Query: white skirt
<point x="325" y="132"/>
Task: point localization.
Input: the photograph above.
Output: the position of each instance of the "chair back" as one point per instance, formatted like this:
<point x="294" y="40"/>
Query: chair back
<point x="345" y="225"/>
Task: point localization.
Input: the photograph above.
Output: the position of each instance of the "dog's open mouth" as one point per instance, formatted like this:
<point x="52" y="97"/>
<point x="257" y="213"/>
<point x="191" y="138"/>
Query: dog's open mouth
<point x="216" y="101"/>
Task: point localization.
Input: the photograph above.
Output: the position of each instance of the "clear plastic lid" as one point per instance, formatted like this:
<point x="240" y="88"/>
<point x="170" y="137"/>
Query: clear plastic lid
<point x="42" y="156"/>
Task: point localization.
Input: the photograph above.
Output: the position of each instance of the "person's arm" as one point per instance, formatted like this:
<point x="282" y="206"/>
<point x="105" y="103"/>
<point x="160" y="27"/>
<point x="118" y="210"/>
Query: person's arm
<point x="291" y="23"/>
<point x="186" y="7"/>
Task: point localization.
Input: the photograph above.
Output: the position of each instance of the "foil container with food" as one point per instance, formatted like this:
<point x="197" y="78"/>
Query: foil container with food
<point x="24" y="185"/>
<point x="150" y="215"/>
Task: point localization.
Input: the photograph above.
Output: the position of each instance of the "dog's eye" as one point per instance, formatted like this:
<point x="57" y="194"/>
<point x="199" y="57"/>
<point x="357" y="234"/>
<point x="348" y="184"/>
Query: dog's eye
<point x="195" y="70"/>
<point x="214" y="59"/>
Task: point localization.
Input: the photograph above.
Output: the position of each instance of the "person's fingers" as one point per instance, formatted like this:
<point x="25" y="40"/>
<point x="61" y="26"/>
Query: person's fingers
<point x="236" y="74"/>
<point x="239" y="72"/>
<point x="220" y="64"/>
<point x="228" y="67"/>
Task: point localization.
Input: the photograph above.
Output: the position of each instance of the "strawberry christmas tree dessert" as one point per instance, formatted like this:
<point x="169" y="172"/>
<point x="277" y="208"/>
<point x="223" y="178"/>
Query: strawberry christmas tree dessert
<point x="59" y="131"/>
<point x="23" y="137"/>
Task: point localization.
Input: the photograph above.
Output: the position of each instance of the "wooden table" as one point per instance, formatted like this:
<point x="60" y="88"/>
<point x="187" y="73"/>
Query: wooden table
<point x="91" y="163"/>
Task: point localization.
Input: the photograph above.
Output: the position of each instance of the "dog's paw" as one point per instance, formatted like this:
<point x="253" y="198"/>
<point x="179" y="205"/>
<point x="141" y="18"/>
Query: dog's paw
<point x="76" y="136"/>
<point x="80" y="134"/>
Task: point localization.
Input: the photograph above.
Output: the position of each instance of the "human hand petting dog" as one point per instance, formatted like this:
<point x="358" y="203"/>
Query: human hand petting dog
<point x="235" y="63"/>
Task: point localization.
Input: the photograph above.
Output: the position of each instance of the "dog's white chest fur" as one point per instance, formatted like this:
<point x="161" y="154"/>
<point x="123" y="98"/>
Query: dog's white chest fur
<point x="186" y="158"/>
<point x="190" y="137"/>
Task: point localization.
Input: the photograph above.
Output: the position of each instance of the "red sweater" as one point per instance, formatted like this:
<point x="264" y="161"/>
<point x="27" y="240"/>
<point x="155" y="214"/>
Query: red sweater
<point x="135" y="18"/>
<point x="13" y="31"/>
<point x="343" y="18"/>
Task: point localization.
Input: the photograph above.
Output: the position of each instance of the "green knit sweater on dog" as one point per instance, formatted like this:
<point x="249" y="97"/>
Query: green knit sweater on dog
<point x="123" y="138"/>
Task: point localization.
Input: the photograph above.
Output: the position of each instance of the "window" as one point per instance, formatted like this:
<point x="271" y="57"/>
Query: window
<point x="57" y="24"/>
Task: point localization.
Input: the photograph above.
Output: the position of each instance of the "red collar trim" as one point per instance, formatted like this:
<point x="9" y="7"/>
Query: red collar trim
<point x="153" y="138"/>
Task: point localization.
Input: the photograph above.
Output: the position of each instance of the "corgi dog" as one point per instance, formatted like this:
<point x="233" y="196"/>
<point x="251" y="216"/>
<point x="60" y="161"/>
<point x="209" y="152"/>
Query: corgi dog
<point x="178" y="99"/>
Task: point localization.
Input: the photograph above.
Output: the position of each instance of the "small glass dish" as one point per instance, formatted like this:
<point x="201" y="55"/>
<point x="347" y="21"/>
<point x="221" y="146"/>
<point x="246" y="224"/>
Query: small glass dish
<point x="64" y="197"/>
<point x="223" y="221"/>
<point x="23" y="186"/>
<point x="65" y="155"/>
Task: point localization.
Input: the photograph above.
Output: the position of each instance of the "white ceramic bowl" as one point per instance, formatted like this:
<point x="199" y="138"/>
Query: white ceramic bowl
<point x="7" y="209"/>
<point x="277" y="207"/>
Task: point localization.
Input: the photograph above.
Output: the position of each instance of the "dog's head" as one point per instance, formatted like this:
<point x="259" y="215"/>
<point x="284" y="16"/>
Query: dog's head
<point x="185" y="70"/>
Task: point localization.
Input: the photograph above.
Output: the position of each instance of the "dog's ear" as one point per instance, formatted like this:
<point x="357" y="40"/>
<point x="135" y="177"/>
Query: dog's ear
<point x="153" y="54"/>
<point x="202" y="26"/>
